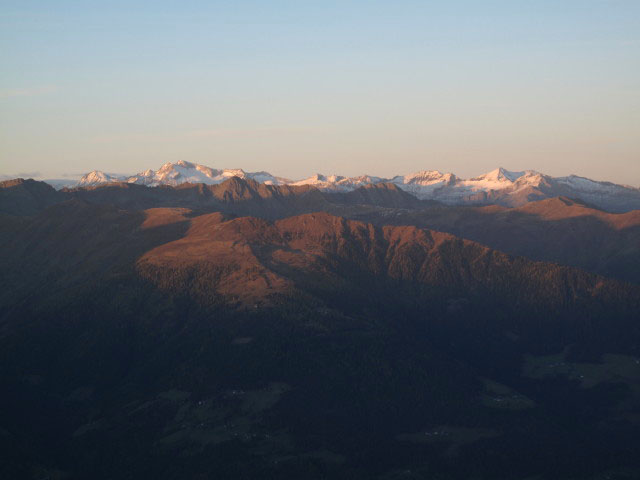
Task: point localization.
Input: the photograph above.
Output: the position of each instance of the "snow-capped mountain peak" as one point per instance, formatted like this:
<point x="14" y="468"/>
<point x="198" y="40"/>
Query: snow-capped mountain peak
<point x="499" y="186"/>
<point x="337" y="182"/>
<point x="97" y="177"/>
<point x="187" y="172"/>
<point x="424" y="177"/>
<point x="500" y="175"/>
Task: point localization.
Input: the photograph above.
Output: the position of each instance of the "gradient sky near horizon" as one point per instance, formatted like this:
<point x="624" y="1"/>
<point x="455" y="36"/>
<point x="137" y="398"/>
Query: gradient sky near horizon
<point x="346" y="87"/>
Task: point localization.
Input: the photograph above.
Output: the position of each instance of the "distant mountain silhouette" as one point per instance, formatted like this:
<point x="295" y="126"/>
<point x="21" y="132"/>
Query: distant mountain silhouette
<point x="498" y="187"/>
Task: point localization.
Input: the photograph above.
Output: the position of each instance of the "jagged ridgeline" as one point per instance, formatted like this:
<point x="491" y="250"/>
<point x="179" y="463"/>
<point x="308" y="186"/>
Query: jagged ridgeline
<point x="257" y="330"/>
<point x="498" y="187"/>
<point x="564" y="230"/>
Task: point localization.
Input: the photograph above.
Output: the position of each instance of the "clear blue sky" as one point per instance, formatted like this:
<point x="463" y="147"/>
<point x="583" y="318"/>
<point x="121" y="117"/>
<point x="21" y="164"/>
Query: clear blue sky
<point x="347" y="87"/>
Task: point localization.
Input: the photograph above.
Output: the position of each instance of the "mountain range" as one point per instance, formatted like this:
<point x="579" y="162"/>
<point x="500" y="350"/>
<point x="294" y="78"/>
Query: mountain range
<point x="564" y="230"/>
<point x="250" y="327"/>
<point x="499" y="187"/>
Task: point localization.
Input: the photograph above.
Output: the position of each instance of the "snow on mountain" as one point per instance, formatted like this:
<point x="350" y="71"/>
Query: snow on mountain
<point x="187" y="172"/>
<point x="606" y="195"/>
<point x="336" y="183"/>
<point x="423" y="184"/>
<point x="586" y="185"/>
<point x="490" y="185"/>
<point x="97" y="177"/>
<point x="500" y="186"/>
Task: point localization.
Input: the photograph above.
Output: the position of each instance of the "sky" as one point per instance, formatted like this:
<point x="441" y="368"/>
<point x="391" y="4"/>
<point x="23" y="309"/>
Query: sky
<point x="336" y="87"/>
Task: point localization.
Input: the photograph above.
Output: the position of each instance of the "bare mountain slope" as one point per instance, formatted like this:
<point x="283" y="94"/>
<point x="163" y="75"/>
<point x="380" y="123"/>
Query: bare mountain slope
<point x="560" y="230"/>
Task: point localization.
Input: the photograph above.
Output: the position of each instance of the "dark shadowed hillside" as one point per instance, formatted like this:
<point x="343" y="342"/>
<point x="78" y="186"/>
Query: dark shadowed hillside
<point x="165" y="343"/>
<point x="26" y="197"/>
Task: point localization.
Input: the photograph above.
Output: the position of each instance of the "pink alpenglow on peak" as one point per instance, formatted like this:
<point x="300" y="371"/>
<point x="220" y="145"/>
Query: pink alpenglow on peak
<point x="499" y="187"/>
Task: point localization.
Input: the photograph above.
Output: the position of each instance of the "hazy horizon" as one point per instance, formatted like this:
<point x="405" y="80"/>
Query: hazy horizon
<point x="342" y="88"/>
